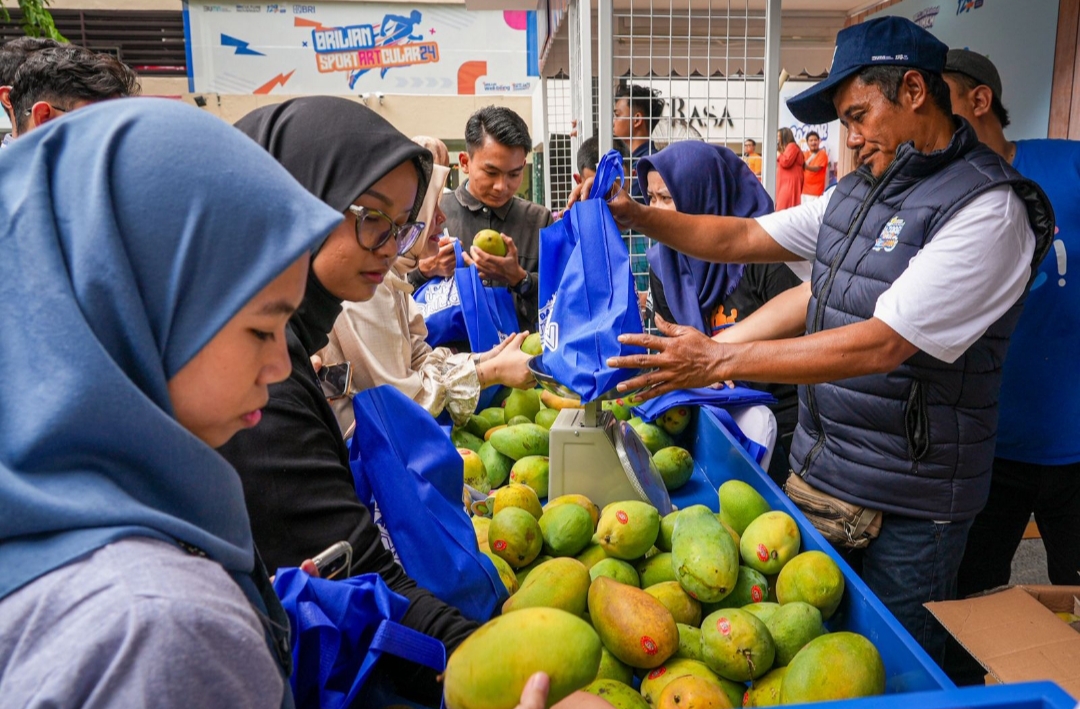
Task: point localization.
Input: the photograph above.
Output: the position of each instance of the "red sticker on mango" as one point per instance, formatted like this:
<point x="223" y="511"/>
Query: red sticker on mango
<point x="648" y="645"/>
<point x="724" y="626"/>
<point x="756" y="594"/>
<point x="762" y="552"/>
<point x="621" y="516"/>
<point x="499" y="545"/>
<point x="658" y="672"/>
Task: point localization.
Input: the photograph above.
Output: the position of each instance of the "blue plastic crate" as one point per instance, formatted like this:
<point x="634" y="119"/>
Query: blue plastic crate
<point x="718" y="458"/>
<point x="1026" y="695"/>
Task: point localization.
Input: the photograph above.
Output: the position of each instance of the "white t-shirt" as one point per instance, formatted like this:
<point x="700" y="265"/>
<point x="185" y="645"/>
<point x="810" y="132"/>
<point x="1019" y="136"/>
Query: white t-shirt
<point x="954" y="289"/>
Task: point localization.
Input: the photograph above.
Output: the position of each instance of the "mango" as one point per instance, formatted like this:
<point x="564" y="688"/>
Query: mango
<point x="628" y="529"/>
<point x="691" y="692"/>
<point x="750" y="587"/>
<point x="532" y="345"/>
<point x="490" y="241"/>
<point x="736" y="645"/>
<point x="592" y="555"/>
<point x="477" y="426"/>
<point x="769" y="542"/>
<point x="765" y="692"/>
<point x="522" y="402"/>
<point x="740" y="505"/>
<point x="463" y="439"/>
<point x="689" y="642"/>
<point x="518" y="420"/>
<point x="675" y="465"/>
<point x="579" y="500"/>
<point x="501" y="394"/>
<point x="474" y="472"/>
<point x="618" y="409"/>
<point x="558" y="403"/>
<point x="667" y="528"/>
<point x="792" y="627"/>
<point x="683" y="608"/>
<point x="734" y="535"/>
<point x="812" y="577"/>
<point x="656" y="569"/>
<point x="654" y="683"/>
<point x="514" y="535"/>
<point x="506" y="574"/>
<point x="496" y="464"/>
<point x="491" y="431"/>
<point x="652" y="436"/>
<point x="674" y="421"/>
<point x="615" y="569"/>
<point x="531" y="470"/>
<point x="567" y="529"/>
<point x="834" y="666"/>
<point x="613" y="668"/>
<point x="493" y="415"/>
<point x="480" y="527"/>
<point x="763" y="610"/>
<point x="521" y="440"/>
<point x="521" y="496"/>
<point x="524" y="571"/>
<point x="617" y="694"/>
<point x="703" y="555"/>
<point x="559" y="583"/>
<point x="545" y="418"/>
<point x="636" y="627"/>
<point x="490" y="668"/>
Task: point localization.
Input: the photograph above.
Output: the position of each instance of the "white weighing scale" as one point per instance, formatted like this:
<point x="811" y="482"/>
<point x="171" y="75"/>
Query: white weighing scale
<point x="594" y="454"/>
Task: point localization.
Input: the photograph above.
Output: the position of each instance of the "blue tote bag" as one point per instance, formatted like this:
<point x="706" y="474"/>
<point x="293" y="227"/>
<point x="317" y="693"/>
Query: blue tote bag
<point x="403" y="462"/>
<point x="340" y="629"/>
<point x="587" y="294"/>
<point x="462" y="308"/>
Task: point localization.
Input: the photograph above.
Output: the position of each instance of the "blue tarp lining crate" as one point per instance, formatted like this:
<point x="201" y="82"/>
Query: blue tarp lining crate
<point x="1026" y="695"/>
<point x="718" y="458"/>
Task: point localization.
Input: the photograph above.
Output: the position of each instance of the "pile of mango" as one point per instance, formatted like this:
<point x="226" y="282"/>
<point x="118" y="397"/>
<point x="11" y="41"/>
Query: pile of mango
<point x="706" y="610"/>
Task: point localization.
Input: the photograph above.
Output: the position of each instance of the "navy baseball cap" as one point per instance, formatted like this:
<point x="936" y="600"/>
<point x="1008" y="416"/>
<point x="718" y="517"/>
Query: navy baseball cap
<point x="887" y="41"/>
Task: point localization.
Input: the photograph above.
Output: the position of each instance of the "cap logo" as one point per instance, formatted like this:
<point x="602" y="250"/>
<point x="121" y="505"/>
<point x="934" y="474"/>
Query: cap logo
<point x="889" y="236"/>
<point x="889" y="58"/>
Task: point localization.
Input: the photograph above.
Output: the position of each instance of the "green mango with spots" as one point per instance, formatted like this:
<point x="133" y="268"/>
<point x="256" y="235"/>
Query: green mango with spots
<point x="703" y="555"/>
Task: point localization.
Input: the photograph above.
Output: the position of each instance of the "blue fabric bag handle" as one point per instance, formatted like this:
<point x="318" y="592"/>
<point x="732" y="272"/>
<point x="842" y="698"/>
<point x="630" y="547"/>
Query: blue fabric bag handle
<point x="402" y="461"/>
<point x="340" y="629"/>
<point x="440" y="303"/>
<point x="587" y="292"/>
<point x="488" y="311"/>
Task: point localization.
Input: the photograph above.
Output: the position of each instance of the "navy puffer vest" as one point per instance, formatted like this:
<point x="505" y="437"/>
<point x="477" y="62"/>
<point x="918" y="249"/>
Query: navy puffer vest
<point x="918" y="441"/>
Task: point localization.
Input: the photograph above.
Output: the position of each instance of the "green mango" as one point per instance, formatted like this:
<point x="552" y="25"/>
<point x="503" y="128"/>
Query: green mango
<point x="689" y="642"/>
<point x="770" y="541"/>
<point x="613" y="668"/>
<point x="532" y="470"/>
<point x="656" y="569"/>
<point x="792" y="627"/>
<point x="736" y="645"/>
<point x="514" y="535"/>
<point x="615" y="569"/>
<point x="463" y="439"/>
<point x="652" y="436"/>
<point x="477" y="426"/>
<point x="522" y="402"/>
<point x="654" y="683"/>
<point x="618" y="694"/>
<point x="766" y="691"/>
<point x="494" y="415"/>
<point x="812" y="577"/>
<point x="839" y="665"/>
<point x="532" y="345"/>
<point x="490" y="668"/>
<point x="684" y="609"/>
<point x="675" y="465"/>
<point x="567" y="529"/>
<point x="763" y="610"/>
<point x="674" y="421"/>
<point x="497" y="465"/>
<point x="524" y="571"/>
<point x="740" y="505"/>
<point x="518" y="420"/>
<point x="703" y="555"/>
<point x="750" y="587"/>
<point x="474" y="472"/>
<point x="559" y="583"/>
<point x="592" y="555"/>
<point x="501" y="395"/>
<point x="618" y="409"/>
<point x="519" y="441"/>
<point x="628" y="529"/>
<point x="545" y="418"/>
<point x="506" y="574"/>
<point x="667" y="527"/>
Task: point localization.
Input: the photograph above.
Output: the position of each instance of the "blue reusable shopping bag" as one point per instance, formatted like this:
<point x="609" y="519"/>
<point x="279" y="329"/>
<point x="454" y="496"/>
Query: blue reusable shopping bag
<point x="339" y="629"/>
<point x="403" y="462"/>
<point x="587" y="294"/>
<point x="462" y="308"/>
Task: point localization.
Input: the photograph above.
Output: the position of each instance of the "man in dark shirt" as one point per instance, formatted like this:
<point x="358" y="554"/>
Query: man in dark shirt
<point x="497" y="142"/>
<point x="637" y="109"/>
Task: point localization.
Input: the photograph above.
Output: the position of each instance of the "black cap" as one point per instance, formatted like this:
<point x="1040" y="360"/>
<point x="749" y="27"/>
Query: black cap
<point x="976" y="66"/>
<point x="889" y="40"/>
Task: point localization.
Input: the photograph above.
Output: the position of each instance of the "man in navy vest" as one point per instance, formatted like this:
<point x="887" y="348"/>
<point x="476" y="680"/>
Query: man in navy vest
<point x="921" y="260"/>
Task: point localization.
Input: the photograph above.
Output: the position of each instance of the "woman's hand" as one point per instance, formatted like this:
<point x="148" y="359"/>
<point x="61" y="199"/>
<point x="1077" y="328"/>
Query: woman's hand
<point x="684" y="359"/>
<point x="506" y="364"/>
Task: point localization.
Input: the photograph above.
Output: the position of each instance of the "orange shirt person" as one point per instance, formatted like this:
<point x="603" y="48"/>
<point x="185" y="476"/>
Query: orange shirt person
<point x="814" y="168"/>
<point x="750" y="156"/>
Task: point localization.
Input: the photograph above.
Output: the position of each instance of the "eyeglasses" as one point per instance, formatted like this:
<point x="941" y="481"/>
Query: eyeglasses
<point x="30" y="110"/>
<point x="375" y="228"/>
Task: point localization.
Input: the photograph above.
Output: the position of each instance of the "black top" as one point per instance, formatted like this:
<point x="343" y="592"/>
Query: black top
<point x="300" y="495"/>
<point x="760" y="282"/>
<point x="519" y="219"/>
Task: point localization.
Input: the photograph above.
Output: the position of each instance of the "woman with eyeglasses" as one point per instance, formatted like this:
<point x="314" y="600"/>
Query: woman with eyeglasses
<point x="294" y="465"/>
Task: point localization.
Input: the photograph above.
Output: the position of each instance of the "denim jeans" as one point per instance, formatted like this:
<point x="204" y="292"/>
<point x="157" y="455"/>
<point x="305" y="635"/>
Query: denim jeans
<point x="914" y="561"/>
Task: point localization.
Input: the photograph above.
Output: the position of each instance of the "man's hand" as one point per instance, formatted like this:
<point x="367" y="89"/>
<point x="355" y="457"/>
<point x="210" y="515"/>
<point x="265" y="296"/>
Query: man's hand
<point x="504" y="269"/>
<point x="441" y="264"/>
<point x="685" y="358"/>
<point x="623" y="208"/>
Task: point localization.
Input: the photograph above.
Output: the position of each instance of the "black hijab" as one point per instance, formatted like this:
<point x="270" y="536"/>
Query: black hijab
<point x="337" y="149"/>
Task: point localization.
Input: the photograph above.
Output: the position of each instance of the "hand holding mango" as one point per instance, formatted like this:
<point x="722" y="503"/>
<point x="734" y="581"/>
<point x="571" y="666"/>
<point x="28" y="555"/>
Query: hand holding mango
<point x="496" y="257"/>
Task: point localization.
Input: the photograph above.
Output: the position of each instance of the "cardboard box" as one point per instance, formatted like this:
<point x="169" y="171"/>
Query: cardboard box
<point x="1015" y="635"/>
